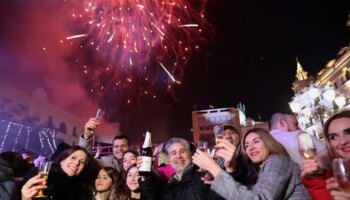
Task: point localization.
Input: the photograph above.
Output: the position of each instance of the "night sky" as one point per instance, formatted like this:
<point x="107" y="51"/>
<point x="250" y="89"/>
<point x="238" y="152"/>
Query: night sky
<point x="250" y="59"/>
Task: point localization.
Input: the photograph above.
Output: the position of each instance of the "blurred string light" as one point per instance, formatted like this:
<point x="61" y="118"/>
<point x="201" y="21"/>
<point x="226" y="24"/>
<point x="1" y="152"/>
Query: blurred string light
<point x="143" y="40"/>
<point x="18" y="132"/>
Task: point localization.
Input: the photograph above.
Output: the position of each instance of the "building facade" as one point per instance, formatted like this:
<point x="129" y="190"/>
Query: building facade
<point x="29" y="121"/>
<point x="332" y="87"/>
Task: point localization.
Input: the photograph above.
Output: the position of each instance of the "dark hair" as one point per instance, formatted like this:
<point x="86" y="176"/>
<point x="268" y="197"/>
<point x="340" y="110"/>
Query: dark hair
<point x="129" y="151"/>
<point x="130" y="167"/>
<point x="120" y="137"/>
<point x="69" y="151"/>
<point x="278" y="116"/>
<point x="117" y="191"/>
<point x="342" y="114"/>
<point x="26" y="151"/>
<point x="60" y="148"/>
<point x="230" y="127"/>
<point x="126" y="175"/>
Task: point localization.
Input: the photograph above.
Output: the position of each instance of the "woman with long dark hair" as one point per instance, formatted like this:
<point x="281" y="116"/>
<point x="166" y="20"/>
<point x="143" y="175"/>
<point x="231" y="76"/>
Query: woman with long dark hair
<point x="110" y="185"/>
<point x="69" y="177"/>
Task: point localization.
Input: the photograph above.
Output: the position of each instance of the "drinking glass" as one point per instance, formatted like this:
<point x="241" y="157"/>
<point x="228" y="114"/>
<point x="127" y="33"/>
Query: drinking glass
<point x="43" y="170"/>
<point x="203" y="146"/>
<point x="218" y="132"/>
<point x="307" y="148"/>
<point x="341" y="171"/>
<point x="99" y="114"/>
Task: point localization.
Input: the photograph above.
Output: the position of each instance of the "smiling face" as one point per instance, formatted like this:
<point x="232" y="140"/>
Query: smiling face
<point x="74" y="163"/>
<point x="255" y="148"/>
<point x="231" y="136"/>
<point x="119" y="147"/>
<point x="179" y="157"/>
<point x="128" y="160"/>
<point x="339" y="137"/>
<point x="103" y="182"/>
<point x="131" y="178"/>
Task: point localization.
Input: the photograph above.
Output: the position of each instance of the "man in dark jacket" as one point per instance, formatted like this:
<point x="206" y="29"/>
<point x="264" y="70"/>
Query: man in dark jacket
<point x="186" y="183"/>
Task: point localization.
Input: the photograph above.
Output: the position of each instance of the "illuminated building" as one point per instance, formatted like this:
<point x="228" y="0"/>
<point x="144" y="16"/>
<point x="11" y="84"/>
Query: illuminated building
<point x="318" y="97"/>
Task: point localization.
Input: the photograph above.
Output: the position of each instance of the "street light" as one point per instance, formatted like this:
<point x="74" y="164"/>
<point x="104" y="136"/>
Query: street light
<point x="315" y="105"/>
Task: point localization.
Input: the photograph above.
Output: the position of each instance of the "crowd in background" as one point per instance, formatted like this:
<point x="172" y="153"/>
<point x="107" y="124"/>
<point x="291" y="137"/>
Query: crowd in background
<point x="254" y="165"/>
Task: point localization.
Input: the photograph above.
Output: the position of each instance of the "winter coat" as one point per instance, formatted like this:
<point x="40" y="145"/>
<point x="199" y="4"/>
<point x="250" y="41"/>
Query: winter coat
<point x="60" y="186"/>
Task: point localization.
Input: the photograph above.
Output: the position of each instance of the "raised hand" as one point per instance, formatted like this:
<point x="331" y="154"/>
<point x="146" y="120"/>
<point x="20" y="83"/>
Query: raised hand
<point x="334" y="188"/>
<point x="308" y="167"/>
<point x="90" y="127"/>
<point x="139" y="161"/>
<point x="227" y="151"/>
<point x="31" y="187"/>
<point x="206" y="162"/>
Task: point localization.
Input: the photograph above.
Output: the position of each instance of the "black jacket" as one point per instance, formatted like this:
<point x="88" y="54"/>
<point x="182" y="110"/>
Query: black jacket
<point x="190" y="187"/>
<point x="60" y="186"/>
<point x="8" y="187"/>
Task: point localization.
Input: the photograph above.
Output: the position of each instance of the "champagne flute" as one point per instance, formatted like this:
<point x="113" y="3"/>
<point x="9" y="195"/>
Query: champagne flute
<point x="43" y="170"/>
<point x="99" y="114"/>
<point x="307" y="148"/>
<point x="341" y="171"/>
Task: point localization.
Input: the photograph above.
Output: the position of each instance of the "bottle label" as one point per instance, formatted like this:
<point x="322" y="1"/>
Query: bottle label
<point x="146" y="164"/>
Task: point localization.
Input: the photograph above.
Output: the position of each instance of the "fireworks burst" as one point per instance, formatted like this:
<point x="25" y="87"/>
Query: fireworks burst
<point x="148" y="40"/>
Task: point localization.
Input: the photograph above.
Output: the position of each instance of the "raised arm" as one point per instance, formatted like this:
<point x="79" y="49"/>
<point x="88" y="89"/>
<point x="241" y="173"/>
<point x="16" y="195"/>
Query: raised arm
<point x="85" y="140"/>
<point x="273" y="183"/>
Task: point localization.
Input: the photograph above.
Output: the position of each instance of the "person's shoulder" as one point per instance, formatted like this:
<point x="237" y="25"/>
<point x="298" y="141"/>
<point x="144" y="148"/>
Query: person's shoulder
<point x="278" y="160"/>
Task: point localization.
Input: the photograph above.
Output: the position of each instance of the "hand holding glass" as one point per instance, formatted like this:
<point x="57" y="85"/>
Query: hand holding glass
<point x="43" y="170"/>
<point x="99" y="114"/>
<point x="341" y="171"/>
<point x="203" y="146"/>
<point x="219" y="132"/>
<point x="307" y="148"/>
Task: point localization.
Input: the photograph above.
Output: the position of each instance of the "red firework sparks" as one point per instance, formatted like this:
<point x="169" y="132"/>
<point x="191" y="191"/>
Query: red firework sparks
<point x="136" y="34"/>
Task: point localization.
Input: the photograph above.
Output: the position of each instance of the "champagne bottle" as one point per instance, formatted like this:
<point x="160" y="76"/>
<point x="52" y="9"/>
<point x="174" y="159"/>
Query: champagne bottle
<point x="146" y="154"/>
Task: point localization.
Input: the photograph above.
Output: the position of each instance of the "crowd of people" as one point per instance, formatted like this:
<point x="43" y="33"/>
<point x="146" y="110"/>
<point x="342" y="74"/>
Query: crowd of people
<point x="254" y="165"/>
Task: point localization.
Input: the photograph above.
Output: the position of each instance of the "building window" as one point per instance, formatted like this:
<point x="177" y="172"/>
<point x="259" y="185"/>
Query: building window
<point x="347" y="75"/>
<point x="75" y="131"/>
<point x="63" y="128"/>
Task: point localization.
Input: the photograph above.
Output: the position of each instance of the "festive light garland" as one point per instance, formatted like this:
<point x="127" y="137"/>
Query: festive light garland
<point x="46" y="136"/>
